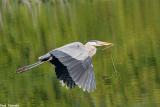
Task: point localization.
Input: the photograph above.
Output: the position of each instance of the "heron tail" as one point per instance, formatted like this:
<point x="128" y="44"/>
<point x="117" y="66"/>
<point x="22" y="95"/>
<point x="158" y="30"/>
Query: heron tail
<point x="25" y="68"/>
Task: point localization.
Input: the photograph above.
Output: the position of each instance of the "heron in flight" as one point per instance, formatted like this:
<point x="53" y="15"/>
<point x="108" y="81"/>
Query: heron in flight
<point x="73" y="64"/>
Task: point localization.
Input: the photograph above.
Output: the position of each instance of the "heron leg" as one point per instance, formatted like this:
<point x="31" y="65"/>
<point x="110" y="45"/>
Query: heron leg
<point x="25" y="68"/>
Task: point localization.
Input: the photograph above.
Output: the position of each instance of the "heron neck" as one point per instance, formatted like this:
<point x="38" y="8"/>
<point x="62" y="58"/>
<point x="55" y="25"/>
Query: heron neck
<point x="91" y="49"/>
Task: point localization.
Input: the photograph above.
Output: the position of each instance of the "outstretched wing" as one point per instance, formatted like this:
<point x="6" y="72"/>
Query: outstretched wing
<point x="78" y="65"/>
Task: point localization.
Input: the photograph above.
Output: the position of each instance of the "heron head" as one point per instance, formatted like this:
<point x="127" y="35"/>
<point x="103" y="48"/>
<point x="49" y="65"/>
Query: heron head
<point x="99" y="43"/>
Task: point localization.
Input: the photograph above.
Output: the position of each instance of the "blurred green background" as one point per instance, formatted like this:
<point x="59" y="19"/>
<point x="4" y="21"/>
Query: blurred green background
<point x="31" y="28"/>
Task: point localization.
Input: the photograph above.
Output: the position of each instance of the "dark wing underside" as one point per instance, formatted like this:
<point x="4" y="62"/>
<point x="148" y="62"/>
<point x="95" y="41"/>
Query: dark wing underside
<point x="74" y="66"/>
<point x="62" y="73"/>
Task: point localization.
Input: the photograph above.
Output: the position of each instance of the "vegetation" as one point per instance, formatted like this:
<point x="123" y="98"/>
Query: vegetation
<point x="29" y="29"/>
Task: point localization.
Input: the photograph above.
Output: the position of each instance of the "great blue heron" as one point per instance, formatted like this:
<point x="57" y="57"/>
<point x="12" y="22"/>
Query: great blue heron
<point x="73" y="64"/>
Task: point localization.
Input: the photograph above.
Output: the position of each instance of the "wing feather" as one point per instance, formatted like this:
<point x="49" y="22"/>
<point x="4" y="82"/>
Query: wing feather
<point x="89" y="79"/>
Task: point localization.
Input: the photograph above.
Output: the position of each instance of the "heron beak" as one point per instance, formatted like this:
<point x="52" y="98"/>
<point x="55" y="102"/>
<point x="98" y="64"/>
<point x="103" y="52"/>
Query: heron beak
<point x="107" y="44"/>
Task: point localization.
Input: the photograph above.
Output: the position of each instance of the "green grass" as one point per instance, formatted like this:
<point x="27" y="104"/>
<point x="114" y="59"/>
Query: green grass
<point x="29" y="30"/>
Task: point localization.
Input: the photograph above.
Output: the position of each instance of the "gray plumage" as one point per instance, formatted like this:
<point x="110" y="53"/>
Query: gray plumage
<point x="73" y="64"/>
<point x="79" y="64"/>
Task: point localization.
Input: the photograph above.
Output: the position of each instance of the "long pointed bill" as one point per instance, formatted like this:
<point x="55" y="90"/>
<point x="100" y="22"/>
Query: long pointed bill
<point x="107" y="45"/>
<point x="25" y="68"/>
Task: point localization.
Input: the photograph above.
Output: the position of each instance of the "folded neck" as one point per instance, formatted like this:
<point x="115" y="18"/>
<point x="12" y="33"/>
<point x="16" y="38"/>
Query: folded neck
<point x="92" y="49"/>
